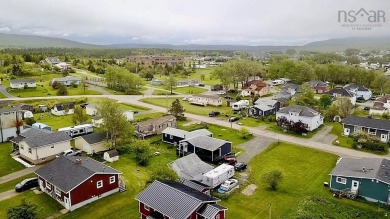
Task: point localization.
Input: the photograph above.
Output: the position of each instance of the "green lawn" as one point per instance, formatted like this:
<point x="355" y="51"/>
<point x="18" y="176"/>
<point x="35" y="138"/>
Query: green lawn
<point x="209" y="80"/>
<point x="304" y="171"/>
<point x="54" y="121"/>
<point x="8" y="164"/>
<point x="182" y="90"/>
<point x="344" y="141"/>
<point x="131" y="107"/>
<point x="144" y="117"/>
<point x="46" y="205"/>
<point x="2" y="96"/>
<point x="275" y="128"/>
<point x="11" y="184"/>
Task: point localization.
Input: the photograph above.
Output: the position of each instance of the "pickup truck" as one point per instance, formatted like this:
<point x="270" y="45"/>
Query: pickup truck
<point x="71" y="152"/>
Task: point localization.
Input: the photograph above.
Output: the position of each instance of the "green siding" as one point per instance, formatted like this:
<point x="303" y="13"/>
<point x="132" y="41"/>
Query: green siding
<point x="377" y="191"/>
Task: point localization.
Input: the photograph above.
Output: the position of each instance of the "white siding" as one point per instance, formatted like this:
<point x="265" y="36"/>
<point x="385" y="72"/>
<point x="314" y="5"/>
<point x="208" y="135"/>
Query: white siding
<point x="312" y="122"/>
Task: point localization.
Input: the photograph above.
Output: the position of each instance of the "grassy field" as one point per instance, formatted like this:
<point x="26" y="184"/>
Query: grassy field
<point x="275" y="128"/>
<point x="344" y="141"/>
<point x="8" y="164"/>
<point x="304" y="171"/>
<point x="182" y="90"/>
<point x="11" y="184"/>
<point x="54" y="121"/>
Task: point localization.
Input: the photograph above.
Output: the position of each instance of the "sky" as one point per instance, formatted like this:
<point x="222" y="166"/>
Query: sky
<point x="220" y="22"/>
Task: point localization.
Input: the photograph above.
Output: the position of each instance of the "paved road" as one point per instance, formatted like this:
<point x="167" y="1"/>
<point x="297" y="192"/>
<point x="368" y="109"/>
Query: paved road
<point x="3" y="90"/>
<point x="254" y="147"/>
<point x="98" y="89"/>
<point x="8" y="194"/>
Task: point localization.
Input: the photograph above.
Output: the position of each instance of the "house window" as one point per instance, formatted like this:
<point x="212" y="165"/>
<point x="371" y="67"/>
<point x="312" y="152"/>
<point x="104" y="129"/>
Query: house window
<point x="58" y="191"/>
<point x="171" y="136"/>
<point x="341" y="180"/>
<point x="48" y="185"/>
<point x="21" y="147"/>
<point x="165" y="135"/>
<point x="99" y="184"/>
<point x="52" y="146"/>
<point x="372" y="131"/>
<point x="217" y="216"/>
<point x="112" y="179"/>
<point x="66" y="200"/>
<point x="29" y="150"/>
<point x="146" y="207"/>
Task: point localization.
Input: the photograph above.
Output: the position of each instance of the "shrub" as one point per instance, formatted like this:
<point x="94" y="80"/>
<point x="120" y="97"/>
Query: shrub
<point x="273" y="178"/>
<point x="244" y="132"/>
<point x="163" y="174"/>
<point x="30" y="121"/>
<point x="73" y="84"/>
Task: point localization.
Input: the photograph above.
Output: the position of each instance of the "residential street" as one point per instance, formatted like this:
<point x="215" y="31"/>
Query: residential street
<point x="3" y="90"/>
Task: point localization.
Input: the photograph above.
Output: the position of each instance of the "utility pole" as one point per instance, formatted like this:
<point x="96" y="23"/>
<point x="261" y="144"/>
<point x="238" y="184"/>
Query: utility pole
<point x="270" y="210"/>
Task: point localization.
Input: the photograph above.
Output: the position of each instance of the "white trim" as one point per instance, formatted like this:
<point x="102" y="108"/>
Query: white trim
<point x="99" y="184"/>
<point x="48" y="185"/>
<point x="146" y="207"/>
<point x="341" y="180"/>
<point x="58" y="191"/>
<point x="112" y="179"/>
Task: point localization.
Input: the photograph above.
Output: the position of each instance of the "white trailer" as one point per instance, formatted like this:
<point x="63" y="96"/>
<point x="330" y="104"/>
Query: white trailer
<point x="278" y="82"/>
<point x="77" y="130"/>
<point x="242" y="104"/>
<point x="217" y="176"/>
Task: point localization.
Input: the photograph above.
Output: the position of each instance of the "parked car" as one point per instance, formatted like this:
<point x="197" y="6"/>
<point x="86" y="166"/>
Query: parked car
<point x="71" y="152"/>
<point x="233" y="119"/>
<point x="221" y="92"/>
<point x="26" y="184"/>
<point x="229" y="98"/>
<point x="201" y="85"/>
<point x="83" y="105"/>
<point x="360" y="100"/>
<point x="229" y="184"/>
<point x="366" y="108"/>
<point x="232" y="91"/>
<point x="240" y="166"/>
<point x="217" y="87"/>
<point x="214" y="113"/>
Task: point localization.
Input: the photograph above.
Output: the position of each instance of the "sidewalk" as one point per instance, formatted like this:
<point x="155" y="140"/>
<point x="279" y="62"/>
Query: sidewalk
<point x="18" y="174"/>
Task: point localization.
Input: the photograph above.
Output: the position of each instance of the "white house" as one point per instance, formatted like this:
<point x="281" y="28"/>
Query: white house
<point x="304" y="114"/>
<point x="52" y="60"/>
<point x="342" y="92"/>
<point x="359" y="91"/>
<point x="62" y="65"/>
<point x="22" y="83"/>
<point x="62" y="109"/>
<point x="67" y="81"/>
<point x="204" y="100"/>
<point x="246" y="93"/>
<point x="11" y="123"/>
<point x="40" y="145"/>
<point x="381" y="105"/>
<point x="92" y="143"/>
<point x="91" y="109"/>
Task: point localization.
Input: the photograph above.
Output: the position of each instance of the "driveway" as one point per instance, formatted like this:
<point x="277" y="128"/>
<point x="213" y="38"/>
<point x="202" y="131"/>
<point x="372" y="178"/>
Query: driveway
<point x="4" y="91"/>
<point x="8" y="194"/>
<point x="324" y="136"/>
<point x="254" y="147"/>
<point x="98" y="89"/>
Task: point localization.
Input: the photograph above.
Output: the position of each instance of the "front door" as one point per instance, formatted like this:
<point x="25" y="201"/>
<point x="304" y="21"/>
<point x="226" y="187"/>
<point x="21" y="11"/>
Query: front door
<point x="355" y="185"/>
<point x="383" y="137"/>
<point x="346" y="131"/>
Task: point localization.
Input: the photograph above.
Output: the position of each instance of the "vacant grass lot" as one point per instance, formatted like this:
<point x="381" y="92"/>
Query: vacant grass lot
<point x="182" y="90"/>
<point x="304" y="171"/>
<point x="54" y="121"/>
<point x="8" y="165"/>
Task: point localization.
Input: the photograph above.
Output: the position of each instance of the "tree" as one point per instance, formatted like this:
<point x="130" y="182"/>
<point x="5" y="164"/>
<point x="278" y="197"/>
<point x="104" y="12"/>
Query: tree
<point x="170" y="83"/>
<point x="142" y="152"/>
<point x="79" y="116"/>
<point x="331" y="112"/>
<point x="291" y="52"/>
<point x="177" y="109"/>
<point x="244" y="132"/>
<point x="163" y="173"/>
<point x="305" y="96"/>
<point x="325" y="101"/>
<point x="29" y="121"/>
<point x="55" y="85"/>
<point x="62" y="90"/>
<point x="273" y="178"/>
<point x="25" y="210"/>
<point x="345" y="106"/>
<point x="119" y="130"/>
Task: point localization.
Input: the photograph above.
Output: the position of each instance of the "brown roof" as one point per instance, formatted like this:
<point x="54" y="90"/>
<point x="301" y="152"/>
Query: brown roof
<point x="384" y="99"/>
<point x="215" y="97"/>
<point x="156" y="121"/>
<point x="378" y="106"/>
<point x="258" y="83"/>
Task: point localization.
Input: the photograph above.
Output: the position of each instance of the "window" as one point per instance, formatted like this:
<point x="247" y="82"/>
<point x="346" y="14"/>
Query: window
<point x="217" y="216"/>
<point x="29" y="150"/>
<point x="146" y="207"/>
<point x="112" y="179"/>
<point x="58" y="191"/>
<point x="66" y="200"/>
<point x="341" y="180"/>
<point x="165" y="135"/>
<point x="171" y="136"/>
<point x="48" y="185"/>
<point x="372" y="131"/>
<point x="52" y="146"/>
<point x="99" y="184"/>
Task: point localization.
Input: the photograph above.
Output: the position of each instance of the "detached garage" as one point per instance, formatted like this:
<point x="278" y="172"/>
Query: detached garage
<point x="92" y="143"/>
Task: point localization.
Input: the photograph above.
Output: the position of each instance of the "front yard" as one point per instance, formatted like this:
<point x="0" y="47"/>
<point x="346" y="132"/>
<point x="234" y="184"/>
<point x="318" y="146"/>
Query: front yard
<point x="8" y="164"/>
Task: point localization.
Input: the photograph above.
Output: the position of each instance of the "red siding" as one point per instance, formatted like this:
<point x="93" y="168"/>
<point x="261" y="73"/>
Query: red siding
<point x="143" y="211"/>
<point x="88" y="188"/>
<point x="221" y="215"/>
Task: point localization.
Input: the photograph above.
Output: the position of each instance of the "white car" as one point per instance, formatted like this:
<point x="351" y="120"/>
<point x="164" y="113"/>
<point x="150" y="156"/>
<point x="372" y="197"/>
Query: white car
<point x="229" y="184"/>
<point x="221" y="92"/>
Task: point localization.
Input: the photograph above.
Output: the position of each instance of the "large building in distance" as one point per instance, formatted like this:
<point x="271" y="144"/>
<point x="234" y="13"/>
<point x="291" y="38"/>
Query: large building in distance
<point x="155" y="60"/>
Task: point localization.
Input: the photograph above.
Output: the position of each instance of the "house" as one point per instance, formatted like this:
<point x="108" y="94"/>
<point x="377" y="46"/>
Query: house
<point x="264" y="107"/>
<point x="67" y="81"/>
<point x="11" y="123"/>
<point x="378" y="127"/>
<point x="174" y="200"/>
<point x="25" y="106"/>
<point x="186" y="83"/>
<point x="92" y="143"/>
<point x="359" y="91"/>
<point x="22" y="83"/>
<point x="52" y="60"/>
<point x="62" y="66"/>
<point x="91" y="109"/>
<point x="62" y="109"/>
<point x="286" y="93"/>
<point x="156" y="81"/>
<point x="381" y="105"/>
<point x="39" y="125"/>
<point x="156" y="60"/>
<point x="255" y="87"/>
<point x="207" y="148"/>
<point x="40" y="145"/>
<point x="342" y="92"/>
<point x="362" y="177"/>
<point x="295" y="113"/>
<point x="319" y="87"/>
<point x="204" y="100"/>
<point x="76" y="181"/>
<point x="111" y="156"/>
<point x="174" y="136"/>
<point x="190" y="167"/>
<point x="154" y="126"/>
<point x="97" y="121"/>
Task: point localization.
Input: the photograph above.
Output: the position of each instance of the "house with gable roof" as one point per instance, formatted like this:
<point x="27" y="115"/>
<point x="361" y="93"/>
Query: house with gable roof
<point x="308" y="116"/>
<point x="190" y="167"/>
<point x="342" y="92"/>
<point x="381" y="105"/>
<point x="174" y="136"/>
<point x="76" y="181"/>
<point x="154" y="126"/>
<point x="359" y="91"/>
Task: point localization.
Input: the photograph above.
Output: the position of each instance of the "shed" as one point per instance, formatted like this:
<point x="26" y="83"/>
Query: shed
<point x="111" y="155"/>
<point x="27" y="114"/>
<point x="91" y="143"/>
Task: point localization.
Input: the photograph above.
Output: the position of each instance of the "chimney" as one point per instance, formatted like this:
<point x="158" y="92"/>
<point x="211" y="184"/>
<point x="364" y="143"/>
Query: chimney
<point x="78" y="161"/>
<point x="364" y="169"/>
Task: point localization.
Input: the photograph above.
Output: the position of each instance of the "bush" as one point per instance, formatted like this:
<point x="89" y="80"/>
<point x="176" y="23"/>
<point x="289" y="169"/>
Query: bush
<point x="163" y="174"/>
<point x="30" y="121"/>
<point x="73" y="84"/>
<point x="142" y="152"/>
<point x="362" y="140"/>
<point x="244" y="132"/>
<point x="273" y="178"/>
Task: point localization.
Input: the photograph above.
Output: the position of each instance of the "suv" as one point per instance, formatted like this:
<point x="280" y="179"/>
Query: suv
<point x="26" y="184"/>
<point x="213" y="113"/>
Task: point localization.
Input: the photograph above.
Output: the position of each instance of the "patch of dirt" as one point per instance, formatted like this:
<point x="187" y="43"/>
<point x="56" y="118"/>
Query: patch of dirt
<point x="249" y="190"/>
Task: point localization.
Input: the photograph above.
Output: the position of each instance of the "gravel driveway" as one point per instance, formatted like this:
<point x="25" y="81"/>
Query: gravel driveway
<point x="254" y="147"/>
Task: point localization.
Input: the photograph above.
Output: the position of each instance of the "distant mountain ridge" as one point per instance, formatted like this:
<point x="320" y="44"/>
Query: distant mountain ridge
<point x="337" y="44"/>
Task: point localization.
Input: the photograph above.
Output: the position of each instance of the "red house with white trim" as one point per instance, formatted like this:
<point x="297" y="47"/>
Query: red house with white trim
<point x="77" y="181"/>
<point x="174" y="200"/>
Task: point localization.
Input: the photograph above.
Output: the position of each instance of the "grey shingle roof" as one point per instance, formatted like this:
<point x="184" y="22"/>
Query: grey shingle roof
<point x="66" y="174"/>
<point x="46" y="139"/>
<point x="112" y="153"/>
<point x="317" y="83"/>
<point x="341" y="91"/>
<point x="186" y="134"/>
<point x="156" y="121"/>
<point x="173" y="199"/>
<point x="384" y="99"/>
<point x="206" y="142"/>
<point x="263" y="107"/>
<point x="371" y="168"/>
<point x="367" y="122"/>
<point x="196" y="185"/>
<point x="94" y="138"/>
<point x="267" y="102"/>
<point x="8" y="110"/>
<point x="22" y="80"/>
<point x="303" y="110"/>
<point x="211" y="210"/>
<point x="64" y="79"/>
<point x="355" y="86"/>
<point x="192" y="165"/>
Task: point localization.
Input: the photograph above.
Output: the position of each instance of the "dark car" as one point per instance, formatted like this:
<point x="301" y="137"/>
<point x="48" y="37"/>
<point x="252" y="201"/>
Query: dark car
<point x="229" y="98"/>
<point x="233" y="119"/>
<point x="214" y="113"/>
<point x="201" y="85"/>
<point x="135" y="112"/>
<point x="360" y="100"/>
<point x="26" y="184"/>
<point x="366" y="108"/>
<point x="240" y="166"/>
<point x="232" y="91"/>
<point x="83" y="105"/>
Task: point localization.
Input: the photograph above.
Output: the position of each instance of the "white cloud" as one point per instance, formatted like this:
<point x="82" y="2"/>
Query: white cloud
<point x="5" y="29"/>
